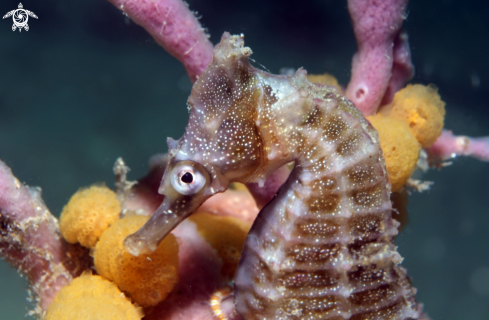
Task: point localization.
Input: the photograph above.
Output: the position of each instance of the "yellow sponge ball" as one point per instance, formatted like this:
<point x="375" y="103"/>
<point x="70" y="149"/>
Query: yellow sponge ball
<point x="88" y="213"/>
<point x="400" y="148"/>
<point x="422" y="108"/>
<point x="226" y="235"/>
<point x="91" y="297"/>
<point x="148" y="278"/>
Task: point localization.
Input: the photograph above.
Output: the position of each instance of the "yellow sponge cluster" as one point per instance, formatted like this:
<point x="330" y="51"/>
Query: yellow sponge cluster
<point x="92" y="215"/>
<point x="400" y="148"/>
<point x="226" y="235"/>
<point x="413" y="120"/>
<point x="104" y="298"/>
<point x="88" y="213"/>
<point x="148" y="278"/>
<point x="423" y="110"/>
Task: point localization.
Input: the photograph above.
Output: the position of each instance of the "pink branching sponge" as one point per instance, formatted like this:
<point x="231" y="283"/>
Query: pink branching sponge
<point x="30" y="240"/>
<point x="175" y="28"/>
<point x="449" y="146"/>
<point x="381" y="59"/>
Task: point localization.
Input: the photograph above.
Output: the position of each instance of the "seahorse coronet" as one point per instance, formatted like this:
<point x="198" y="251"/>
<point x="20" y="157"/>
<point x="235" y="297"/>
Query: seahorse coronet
<point x="322" y="248"/>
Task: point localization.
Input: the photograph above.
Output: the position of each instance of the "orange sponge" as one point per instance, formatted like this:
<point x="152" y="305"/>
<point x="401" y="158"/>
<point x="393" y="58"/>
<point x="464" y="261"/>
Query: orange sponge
<point x="148" y="278"/>
<point x="88" y="213"/>
<point x="91" y="297"/>
<point x="226" y="235"/>
<point x="422" y="108"/>
<point x="400" y="148"/>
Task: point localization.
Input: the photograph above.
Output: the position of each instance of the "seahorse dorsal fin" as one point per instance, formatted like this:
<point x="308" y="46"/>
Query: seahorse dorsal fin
<point x="231" y="46"/>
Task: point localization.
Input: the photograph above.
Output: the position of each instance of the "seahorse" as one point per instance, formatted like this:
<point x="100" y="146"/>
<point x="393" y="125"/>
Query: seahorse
<point x="322" y="248"/>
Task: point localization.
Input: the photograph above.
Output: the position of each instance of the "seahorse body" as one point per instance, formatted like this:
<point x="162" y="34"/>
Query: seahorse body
<point x="322" y="248"/>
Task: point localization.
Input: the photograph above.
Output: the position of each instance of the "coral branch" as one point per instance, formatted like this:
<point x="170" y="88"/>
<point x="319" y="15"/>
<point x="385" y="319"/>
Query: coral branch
<point x="449" y="146"/>
<point x="402" y="68"/>
<point x="376" y="24"/>
<point x="30" y="240"/>
<point x="175" y="28"/>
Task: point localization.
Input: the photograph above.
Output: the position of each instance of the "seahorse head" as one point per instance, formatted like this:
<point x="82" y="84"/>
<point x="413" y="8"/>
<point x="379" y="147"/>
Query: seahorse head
<point x="221" y="143"/>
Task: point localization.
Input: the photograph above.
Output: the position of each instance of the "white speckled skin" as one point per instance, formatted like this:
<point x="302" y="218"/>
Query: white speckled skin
<point x="322" y="248"/>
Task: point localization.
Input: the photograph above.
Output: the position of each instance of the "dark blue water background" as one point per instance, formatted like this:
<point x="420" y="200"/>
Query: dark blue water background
<point x="85" y="85"/>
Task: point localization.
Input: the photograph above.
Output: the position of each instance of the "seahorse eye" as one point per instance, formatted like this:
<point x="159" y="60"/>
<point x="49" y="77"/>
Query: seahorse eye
<point x="188" y="177"/>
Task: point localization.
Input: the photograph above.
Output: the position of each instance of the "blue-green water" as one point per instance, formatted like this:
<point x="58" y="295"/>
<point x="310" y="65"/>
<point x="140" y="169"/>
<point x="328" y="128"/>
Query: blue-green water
<point x="84" y="86"/>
